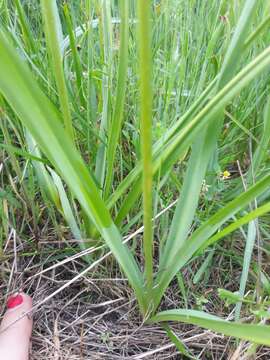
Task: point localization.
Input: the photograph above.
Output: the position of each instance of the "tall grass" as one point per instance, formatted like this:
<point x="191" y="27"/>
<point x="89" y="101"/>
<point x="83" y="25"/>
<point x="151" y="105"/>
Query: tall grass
<point x="56" y="113"/>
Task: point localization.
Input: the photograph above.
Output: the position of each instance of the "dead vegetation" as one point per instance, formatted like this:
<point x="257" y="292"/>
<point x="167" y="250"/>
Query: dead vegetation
<point x="80" y="314"/>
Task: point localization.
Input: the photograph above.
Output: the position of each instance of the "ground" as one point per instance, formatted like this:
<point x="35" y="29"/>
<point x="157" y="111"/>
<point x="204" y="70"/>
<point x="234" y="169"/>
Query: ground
<point x="96" y="317"/>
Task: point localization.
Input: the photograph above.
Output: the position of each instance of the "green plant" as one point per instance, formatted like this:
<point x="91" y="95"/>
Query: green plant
<point x="199" y="128"/>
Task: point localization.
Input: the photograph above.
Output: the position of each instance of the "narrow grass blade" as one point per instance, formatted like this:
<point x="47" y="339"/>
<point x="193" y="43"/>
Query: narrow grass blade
<point x="187" y="204"/>
<point x="242" y="127"/>
<point x="263" y="146"/>
<point x="66" y="209"/>
<point x="250" y="242"/>
<point x="259" y="334"/>
<point x="257" y="32"/>
<point x="237" y="44"/>
<point x="106" y="34"/>
<point x="180" y="346"/>
<point x="158" y="149"/>
<point x="182" y="288"/>
<point x="202" y="234"/>
<point x="259" y="154"/>
<point x="118" y="113"/>
<point x="46" y="184"/>
<point x="203" y="268"/>
<point x="194" y="108"/>
<point x="204" y="146"/>
<point x="159" y="146"/>
<point x="26" y="31"/>
<point x="4" y="14"/>
<point x="181" y="141"/>
<point x="31" y="105"/>
<point x="75" y="55"/>
<point x="8" y="138"/>
<point x="236" y="225"/>
<point x="128" y="202"/>
<point x="54" y="38"/>
<point x="145" y="74"/>
<point x="24" y="154"/>
<point x="91" y="90"/>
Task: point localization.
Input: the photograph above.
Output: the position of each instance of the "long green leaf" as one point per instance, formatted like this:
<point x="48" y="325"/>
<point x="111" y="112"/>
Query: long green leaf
<point x="250" y="242"/>
<point x="177" y="342"/>
<point x="43" y="121"/>
<point x="24" y="154"/>
<point x="26" y="31"/>
<point x="263" y="146"/>
<point x="236" y="225"/>
<point x="145" y="71"/>
<point x="159" y="146"/>
<point x="172" y="132"/>
<point x="259" y="334"/>
<point x="202" y="234"/>
<point x="75" y="55"/>
<point x="261" y="27"/>
<point x="204" y="146"/>
<point x="106" y="33"/>
<point x="67" y="211"/>
<point x="158" y="149"/>
<point x="258" y="156"/>
<point x="54" y="38"/>
<point x="181" y="141"/>
<point x="118" y="113"/>
<point x="45" y="181"/>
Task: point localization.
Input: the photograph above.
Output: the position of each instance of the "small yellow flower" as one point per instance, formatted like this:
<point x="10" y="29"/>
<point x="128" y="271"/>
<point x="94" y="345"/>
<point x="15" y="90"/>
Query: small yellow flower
<point x="225" y="175"/>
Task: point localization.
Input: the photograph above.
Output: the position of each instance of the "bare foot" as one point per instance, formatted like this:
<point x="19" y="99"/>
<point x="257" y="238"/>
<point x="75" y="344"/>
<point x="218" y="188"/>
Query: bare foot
<point x="14" y="340"/>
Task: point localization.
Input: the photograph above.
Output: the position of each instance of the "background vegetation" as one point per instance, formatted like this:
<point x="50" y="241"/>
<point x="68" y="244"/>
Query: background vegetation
<point x="111" y="111"/>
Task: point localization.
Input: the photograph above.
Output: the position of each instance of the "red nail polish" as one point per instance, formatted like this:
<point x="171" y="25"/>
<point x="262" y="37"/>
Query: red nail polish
<point x="14" y="301"/>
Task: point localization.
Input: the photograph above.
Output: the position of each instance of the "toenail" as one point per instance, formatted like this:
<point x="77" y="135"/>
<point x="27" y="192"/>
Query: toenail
<point x="14" y="301"/>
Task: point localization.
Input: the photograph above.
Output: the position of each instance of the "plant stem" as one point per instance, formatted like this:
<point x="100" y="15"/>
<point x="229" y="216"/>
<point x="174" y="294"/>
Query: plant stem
<point x="145" y="74"/>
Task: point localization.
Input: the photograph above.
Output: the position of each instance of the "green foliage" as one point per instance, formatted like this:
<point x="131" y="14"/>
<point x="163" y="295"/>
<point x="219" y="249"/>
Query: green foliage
<point x="76" y="119"/>
<point x="258" y="334"/>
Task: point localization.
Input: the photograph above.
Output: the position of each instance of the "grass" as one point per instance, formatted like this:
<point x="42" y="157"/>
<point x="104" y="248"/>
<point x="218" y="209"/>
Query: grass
<point x="106" y="141"/>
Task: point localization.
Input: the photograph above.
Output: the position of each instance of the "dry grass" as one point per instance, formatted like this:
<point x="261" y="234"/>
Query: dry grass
<point x="95" y="316"/>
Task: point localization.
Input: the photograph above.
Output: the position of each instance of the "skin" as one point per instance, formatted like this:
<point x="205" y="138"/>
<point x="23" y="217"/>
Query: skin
<point x="15" y="340"/>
